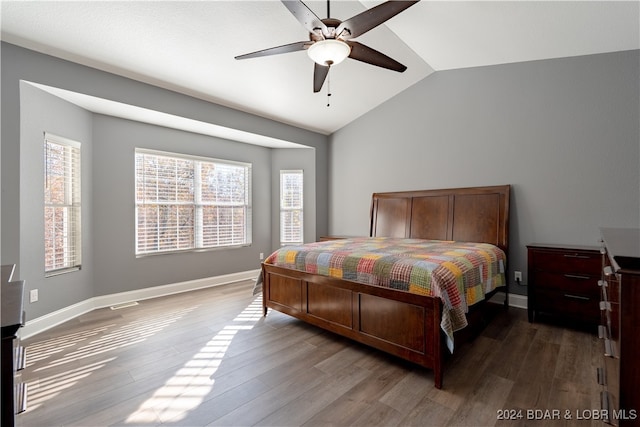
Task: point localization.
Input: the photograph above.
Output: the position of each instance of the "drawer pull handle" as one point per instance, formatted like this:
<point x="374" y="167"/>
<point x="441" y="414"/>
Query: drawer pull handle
<point x="606" y="406"/>
<point x="608" y="271"/>
<point x="605" y="306"/>
<point x="576" y="256"/>
<point x="603" y="283"/>
<point x="579" y="297"/>
<point x="600" y="374"/>
<point x="608" y="348"/>
<point x="577" y="276"/>
<point x="20" y="358"/>
<point x="602" y="332"/>
<point x="21" y="398"/>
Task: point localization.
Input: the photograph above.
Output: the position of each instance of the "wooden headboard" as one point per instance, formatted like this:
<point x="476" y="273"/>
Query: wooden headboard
<point x="475" y="214"/>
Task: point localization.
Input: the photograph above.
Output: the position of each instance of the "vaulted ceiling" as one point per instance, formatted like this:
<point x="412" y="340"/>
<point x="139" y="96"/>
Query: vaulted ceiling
<point x="189" y="46"/>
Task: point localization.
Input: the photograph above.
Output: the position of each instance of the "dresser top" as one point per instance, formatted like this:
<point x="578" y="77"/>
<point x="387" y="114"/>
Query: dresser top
<point x="623" y="246"/>
<point x="563" y="247"/>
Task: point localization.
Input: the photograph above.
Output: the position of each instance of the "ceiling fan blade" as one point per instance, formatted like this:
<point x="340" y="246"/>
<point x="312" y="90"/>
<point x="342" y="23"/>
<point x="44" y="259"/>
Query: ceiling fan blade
<point x="319" y="75"/>
<point x="371" y="18"/>
<point x="361" y="52"/>
<point x="293" y="47"/>
<point x="306" y="16"/>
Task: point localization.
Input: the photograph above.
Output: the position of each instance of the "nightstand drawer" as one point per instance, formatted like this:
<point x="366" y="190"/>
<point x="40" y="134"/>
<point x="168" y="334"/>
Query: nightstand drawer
<point x="569" y="304"/>
<point x="576" y="262"/>
<point x="571" y="282"/>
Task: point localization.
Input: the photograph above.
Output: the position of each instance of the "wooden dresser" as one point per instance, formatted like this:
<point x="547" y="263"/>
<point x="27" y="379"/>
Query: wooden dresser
<point x="620" y="326"/>
<point x="13" y="394"/>
<point x="563" y="282"/>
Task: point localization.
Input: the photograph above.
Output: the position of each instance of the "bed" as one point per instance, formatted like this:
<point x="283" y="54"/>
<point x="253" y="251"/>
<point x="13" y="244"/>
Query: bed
<point x="389" y="316"/>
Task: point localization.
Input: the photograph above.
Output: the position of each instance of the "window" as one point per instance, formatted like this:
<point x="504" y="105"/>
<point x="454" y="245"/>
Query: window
<point x="62" y="226"/>
<point x="291" y="224"/>
<point x="185" y="202"/>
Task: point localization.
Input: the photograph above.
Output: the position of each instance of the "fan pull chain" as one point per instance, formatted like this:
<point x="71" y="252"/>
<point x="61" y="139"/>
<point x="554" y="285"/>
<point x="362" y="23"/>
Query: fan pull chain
<point x="328" y="89"/>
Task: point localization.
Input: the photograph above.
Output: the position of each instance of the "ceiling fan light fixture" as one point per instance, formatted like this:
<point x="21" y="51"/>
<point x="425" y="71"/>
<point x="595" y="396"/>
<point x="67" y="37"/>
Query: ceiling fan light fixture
<point x="329" y="52"/>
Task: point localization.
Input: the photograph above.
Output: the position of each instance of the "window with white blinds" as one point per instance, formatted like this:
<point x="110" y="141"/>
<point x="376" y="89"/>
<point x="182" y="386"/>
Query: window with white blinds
<point x="185" y="202"/>
<point x="291" y="212"/>
<point x="62" y="207"/>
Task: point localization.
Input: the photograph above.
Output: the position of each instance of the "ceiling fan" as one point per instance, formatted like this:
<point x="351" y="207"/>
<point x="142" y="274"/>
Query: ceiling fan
<point x="330" y="40"/>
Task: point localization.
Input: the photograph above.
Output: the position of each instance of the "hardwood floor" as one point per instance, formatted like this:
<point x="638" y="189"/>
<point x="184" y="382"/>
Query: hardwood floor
<point x="209" y="358"/>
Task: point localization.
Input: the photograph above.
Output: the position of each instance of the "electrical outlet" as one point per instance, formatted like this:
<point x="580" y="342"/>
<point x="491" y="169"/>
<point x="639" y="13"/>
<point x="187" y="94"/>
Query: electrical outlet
<point x="261" y="256"/>
<point x="33" y="295"/>
<point x="517" y="275"/>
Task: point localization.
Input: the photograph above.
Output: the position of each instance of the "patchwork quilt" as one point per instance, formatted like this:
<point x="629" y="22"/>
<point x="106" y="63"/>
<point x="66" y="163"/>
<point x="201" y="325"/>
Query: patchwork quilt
<point x="459" y="273"/>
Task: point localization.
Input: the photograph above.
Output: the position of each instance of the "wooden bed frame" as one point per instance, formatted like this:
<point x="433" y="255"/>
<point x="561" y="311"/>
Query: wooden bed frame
<point x="400" y="323"/>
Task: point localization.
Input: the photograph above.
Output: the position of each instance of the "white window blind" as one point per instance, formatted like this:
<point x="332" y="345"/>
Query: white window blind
<point x="62" y="207"/>
<point x="185" y="202"/>
<point x="291" y="207"/>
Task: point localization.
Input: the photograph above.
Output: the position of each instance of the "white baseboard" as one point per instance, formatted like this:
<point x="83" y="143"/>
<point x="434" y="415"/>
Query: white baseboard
<point x="515" y="300"/>
<point x="42" y="323"/>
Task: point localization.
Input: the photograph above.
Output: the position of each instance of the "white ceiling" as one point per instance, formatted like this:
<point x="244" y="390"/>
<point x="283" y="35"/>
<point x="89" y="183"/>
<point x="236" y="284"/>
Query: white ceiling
<point x="189" y="46"/>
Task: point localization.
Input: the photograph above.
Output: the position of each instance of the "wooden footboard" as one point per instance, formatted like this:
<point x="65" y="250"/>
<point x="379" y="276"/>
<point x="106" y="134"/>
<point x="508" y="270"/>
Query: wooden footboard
<point x="403" y="324"/>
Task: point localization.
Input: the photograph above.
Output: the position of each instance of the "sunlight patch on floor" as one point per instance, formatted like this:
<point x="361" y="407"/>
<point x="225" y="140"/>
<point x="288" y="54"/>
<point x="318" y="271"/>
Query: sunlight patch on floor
<point x="43" y="350"/>
<point x="129" y="334"/>
<point x="100" y="341"/>
<point x="190" y="384"/>
<point x="47" y="388"/>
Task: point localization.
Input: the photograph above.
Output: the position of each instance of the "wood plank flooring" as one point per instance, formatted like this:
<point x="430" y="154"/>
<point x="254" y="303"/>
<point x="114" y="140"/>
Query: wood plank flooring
<point x="209" y="358"/>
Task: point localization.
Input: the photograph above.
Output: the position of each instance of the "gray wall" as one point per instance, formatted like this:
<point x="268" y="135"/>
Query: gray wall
<point x="295" y="158"/>
<point x="116" y="267"/>
<point x="40" y="112"/>
<point x="109" y="265"/>
<point x="563" y="132"/>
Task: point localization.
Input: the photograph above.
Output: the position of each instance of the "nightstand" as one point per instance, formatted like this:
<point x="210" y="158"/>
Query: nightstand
<point x="563" y="282"/>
